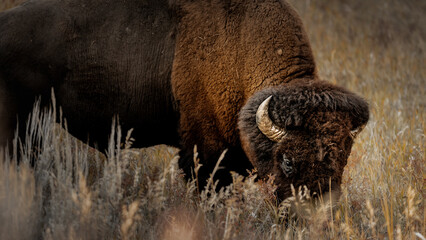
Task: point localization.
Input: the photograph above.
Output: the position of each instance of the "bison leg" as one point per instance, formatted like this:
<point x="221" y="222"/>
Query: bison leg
<point x="14" y="113"/>
<point x="8" y="116"/>
<point x="235" y="160"/>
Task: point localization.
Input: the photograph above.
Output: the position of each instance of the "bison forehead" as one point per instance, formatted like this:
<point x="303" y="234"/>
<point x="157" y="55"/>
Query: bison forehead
<point x="309" y="148"/>
<point x="292" y="105"/>
<point x="334" y="124"/>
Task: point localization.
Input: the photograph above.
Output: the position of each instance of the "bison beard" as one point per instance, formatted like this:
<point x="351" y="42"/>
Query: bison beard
<point x="183" y="73"/>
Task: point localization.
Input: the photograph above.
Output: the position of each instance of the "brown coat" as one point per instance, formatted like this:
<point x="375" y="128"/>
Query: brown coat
<point x="225" y="52"/>
<point x="230" y="52"/>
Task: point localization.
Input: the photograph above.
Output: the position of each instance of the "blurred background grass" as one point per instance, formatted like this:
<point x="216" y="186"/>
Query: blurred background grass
<point x="375" y="48"/>
<point x="6" y="4"/>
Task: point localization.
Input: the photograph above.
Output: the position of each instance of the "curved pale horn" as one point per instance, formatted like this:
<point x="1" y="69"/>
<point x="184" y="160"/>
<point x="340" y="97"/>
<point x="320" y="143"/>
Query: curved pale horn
<point x="265" y="124"/>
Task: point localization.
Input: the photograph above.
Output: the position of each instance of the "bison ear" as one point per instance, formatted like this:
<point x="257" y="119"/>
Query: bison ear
<point x="341" y="99"/>
<point x="359" y="122"/>
<point x="356" y="131"/>
<point x="360" y="112"/>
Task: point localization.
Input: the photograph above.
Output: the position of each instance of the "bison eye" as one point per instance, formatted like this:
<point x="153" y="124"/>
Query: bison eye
<point x="287" y="166"/>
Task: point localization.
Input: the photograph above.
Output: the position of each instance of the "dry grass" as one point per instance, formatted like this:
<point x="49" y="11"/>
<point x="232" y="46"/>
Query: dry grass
<point x="374" y="48"/>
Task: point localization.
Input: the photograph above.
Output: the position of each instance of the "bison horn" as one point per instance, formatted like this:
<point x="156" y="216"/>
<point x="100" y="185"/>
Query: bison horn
<point x="265" y="124"/>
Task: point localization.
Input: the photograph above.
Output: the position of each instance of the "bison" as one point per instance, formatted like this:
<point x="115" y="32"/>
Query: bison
<point x="220" y="74"/>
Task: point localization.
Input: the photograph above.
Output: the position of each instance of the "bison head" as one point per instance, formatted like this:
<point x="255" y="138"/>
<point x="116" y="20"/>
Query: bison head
<point x="302" y="133"/>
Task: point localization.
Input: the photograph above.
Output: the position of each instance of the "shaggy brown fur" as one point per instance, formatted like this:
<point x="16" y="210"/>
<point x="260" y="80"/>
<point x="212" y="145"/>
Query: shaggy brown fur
<point x="318" y="118"/>
<point x="225" y="52"/>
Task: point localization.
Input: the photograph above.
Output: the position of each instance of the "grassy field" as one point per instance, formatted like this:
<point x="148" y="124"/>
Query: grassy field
<point x="375" y="48"/>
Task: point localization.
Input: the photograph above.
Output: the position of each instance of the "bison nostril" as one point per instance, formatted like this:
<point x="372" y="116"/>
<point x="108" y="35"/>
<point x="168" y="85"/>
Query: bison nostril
<point x="287" y="166"/>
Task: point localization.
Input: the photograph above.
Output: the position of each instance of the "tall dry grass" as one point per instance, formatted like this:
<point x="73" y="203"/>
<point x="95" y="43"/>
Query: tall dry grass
<point x="376" y="48"/>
